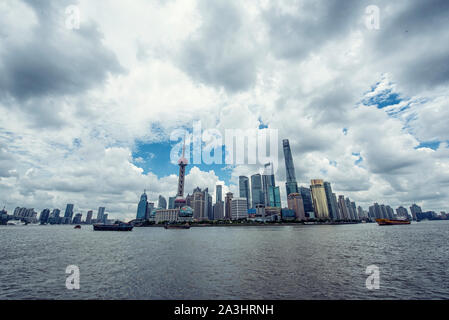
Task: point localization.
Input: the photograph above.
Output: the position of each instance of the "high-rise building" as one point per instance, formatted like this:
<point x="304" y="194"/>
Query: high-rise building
<point x="198" y="204"/>
<point x="239" y="209"/>
<point x="44" y="217"/>
<point x="162" y="202"/>
<point x="351" y="212"/>
<point x="228" y="200"/>
<point x="361" y="212"/>
<point x="89" y="217"/>
<point x="182" y="162"/>
<point x="335" y="205"/>
<point x="402" y="212"/>
<point x="268" y="181"/>
<point x="344" y="214"/>
<point x="100" y="214"/>
<point x="390" y="212"/>
<point x="274" y="197"/>
<point x="68" y="214"/>
<point x="141" y="207"/>
<point x="219" y="210"/>
<point x="54" y="217"/>
<point x="319" y="199"/>
<point x="77" y="218"/>
<point x="291" y="185"/>
<point x="415" y="210"/>
<point x="171" y="202"/>
<point x="218" y="193"/>
<point x="295" y="203"/>
<point x="307" y="201"/>
<point x="244" y="189"/>
<point x="256" y="190"/>
<point x="207" y="210"/>
<point x="332" y="206"/>
<point x="150" y="208"/>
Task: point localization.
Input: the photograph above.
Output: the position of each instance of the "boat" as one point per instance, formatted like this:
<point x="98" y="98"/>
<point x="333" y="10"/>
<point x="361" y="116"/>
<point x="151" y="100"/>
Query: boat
<point x="77" y="227"/>
<point x="177" y="226"/>
<point x="116" y="226"/>
<point x="391" y="222"/>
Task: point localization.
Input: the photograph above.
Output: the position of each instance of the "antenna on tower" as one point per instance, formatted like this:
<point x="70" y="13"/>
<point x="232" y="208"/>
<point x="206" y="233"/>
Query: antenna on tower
<point x="184" y="146"/>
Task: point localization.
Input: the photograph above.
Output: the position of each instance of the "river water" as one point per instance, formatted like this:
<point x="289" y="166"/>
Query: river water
<point x="271" y="262"/>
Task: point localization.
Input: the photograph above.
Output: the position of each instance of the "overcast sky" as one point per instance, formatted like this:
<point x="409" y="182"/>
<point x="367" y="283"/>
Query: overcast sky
<point x="86" y="113"/>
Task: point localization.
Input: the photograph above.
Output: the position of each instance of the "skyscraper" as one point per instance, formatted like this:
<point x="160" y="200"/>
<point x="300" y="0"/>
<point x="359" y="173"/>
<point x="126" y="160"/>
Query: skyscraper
<point x="68" y="213"/>
<point x="307" y="200"/>
<point x="332" y="206"/>
<point x="219" y="193"/>
<point x="100" y="214"/>
<point x="244" y="189"/>
<point x="171" y="202"/>
<point x="415" y="210"/>
<point x="274" y="197"/>
<point x="319" y="199"/>
<point x="182" y="162"/>
<point x="402" y="212"/>
<point x="295" y="203"/>
<point x="162" y="202"/>
<point x="89" y="217"/>
<point x="291" y="185"/>
<point x="344" y="214"/>
<point x="45" y="215"/>
<point x="228" y="201"/>
<point x="256" y="190"/>
<point x="141" y="207"/>
<point x="198" y="204"/>
<point x="268" y="181"/>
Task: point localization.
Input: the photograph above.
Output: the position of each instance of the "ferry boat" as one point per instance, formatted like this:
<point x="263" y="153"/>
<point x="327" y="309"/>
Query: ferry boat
<point x="177" y="226"/>
<point x="391" y="222"/>
<point x="116" y="226"/>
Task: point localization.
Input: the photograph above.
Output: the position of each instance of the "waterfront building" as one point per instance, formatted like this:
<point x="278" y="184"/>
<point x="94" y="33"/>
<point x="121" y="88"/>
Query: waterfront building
<point x="415" y="210"/>
<point x="402" y="212"/>
<point x="68" y="213"/>
<point x="100" y="215"/>
<point x="239" y="209"/>
<point x="344" y="214"/>
<point x="141" y="207"/>
<point x="354" y="210"/>
<point x="295" y="203"/>
<point x="149" y="211"/>
<point x="291" y="185"/>
<point x="268" y="183"/>
<point x="228" y="201"/>
<point x="77" y="218"/>
<point x="185" y="214"/>
<point x="54" y="217"/>
<point x="390" y="212"/>
<point x="198" y="204"/>
<point x="162" y="202"/>
<point x="331" y="204"/>
<point x="256" y="190"/>
<point x="307" y="201"/>
<point x="218" y="193"/>
<point x="171" y="202"/>
<point x="335" y="204"/>
<point x="288" y="214"/>
<point x="319" y="199"/>
<point x="219" y="210"/>
<point x="44" y="217"/>
<point x="89" y="217"/>
<point x="361" y="213"/>
<point x="260" y="212"/>
<point x="272" y="213"/>
<point x="244" y="189"/>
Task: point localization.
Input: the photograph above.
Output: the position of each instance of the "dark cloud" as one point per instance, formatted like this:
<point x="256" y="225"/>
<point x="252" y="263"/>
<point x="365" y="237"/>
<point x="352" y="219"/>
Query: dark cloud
<point x="55" y="62"/>
<point x="221" y="53"/>
<point x="309" y="25"/>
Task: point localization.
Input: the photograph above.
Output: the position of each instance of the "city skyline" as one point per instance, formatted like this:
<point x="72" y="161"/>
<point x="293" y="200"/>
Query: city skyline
<point x="373" y="124"/>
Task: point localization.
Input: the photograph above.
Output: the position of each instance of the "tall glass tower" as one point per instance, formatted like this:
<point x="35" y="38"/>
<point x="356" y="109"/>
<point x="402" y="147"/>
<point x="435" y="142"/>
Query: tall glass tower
<point x="244" y="189"/>
<point x="291" y="185"/>
<point x="142" y="207"/>
<point x="256" y="190"/>
<point x="268" y="181"/>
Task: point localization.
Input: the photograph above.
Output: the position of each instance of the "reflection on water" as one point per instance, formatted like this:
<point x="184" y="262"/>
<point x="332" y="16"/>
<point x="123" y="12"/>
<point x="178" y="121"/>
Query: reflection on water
<point x="291" y="262"/>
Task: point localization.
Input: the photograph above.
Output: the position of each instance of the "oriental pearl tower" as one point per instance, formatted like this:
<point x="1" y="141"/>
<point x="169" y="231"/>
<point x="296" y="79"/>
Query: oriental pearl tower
<point x="180" y="201"/>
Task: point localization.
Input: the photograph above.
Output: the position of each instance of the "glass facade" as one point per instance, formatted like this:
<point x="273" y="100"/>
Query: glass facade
<point x="291" y="184"/>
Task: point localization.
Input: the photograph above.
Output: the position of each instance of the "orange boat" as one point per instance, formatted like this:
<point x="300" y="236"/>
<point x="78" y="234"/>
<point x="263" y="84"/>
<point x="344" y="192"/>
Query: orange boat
<point x="391" y="222"/>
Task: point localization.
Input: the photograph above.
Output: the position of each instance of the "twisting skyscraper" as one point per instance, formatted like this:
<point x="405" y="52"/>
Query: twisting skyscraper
<point x="291" y="185"/>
